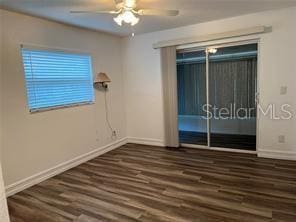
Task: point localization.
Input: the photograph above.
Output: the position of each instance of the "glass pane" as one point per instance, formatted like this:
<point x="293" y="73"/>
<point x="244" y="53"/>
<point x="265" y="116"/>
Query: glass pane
<point x="232" y="91"/>
<point x="191" y="73"/>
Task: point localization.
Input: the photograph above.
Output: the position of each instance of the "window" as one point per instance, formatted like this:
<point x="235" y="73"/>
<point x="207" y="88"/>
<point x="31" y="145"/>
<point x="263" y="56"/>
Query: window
<point x="57" y="79"/>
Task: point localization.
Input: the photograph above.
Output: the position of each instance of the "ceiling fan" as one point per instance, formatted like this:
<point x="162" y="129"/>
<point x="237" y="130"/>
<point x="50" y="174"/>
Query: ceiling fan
<point x="128" y="12"/>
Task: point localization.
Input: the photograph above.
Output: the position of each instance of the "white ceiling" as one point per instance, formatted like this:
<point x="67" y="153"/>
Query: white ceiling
<point x="191" y="12"/>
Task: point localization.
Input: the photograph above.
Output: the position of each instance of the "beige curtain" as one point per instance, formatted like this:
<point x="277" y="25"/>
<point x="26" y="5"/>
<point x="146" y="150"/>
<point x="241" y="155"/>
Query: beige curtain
<point x="169" y="81"/>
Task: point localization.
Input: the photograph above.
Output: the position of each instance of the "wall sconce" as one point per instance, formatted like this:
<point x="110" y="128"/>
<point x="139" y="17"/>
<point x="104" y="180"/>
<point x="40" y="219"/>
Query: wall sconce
<point x="102" y="79"/>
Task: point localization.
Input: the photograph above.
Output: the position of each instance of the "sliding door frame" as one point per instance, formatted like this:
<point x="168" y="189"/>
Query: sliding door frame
<point x="208" y="97"/>
<point x="206" y="47"/>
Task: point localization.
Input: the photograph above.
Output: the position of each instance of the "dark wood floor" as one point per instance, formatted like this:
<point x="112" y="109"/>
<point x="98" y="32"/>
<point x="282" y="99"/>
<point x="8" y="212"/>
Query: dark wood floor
<point x="241" y="142"/>
<point x="144" y="183"/>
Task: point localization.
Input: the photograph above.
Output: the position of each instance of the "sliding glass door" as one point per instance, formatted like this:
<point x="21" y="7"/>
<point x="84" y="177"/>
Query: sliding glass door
<point x="192" y="95"/>
<point x="216" y="96"/>
<point x="232" y="92"/>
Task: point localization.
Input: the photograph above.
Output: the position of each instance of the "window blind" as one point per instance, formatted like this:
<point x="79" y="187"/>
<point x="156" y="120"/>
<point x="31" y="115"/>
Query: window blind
<point x="57" y="79"/>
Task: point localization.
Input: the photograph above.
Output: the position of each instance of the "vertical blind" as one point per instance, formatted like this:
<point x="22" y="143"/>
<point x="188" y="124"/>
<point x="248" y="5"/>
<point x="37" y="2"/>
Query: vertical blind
<point x="57" y="79"/>
<point x="231" y="82"/>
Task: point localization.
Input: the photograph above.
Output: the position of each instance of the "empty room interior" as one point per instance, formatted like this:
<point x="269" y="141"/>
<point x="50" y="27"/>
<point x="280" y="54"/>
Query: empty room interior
<point x="147" y="110"/>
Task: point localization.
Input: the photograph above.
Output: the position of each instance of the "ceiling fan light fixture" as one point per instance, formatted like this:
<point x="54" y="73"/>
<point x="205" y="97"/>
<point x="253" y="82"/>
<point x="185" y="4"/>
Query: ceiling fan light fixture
<point x="135" y="21"/>
<point x="118" y="20"/>
<point x="128" y="17"/>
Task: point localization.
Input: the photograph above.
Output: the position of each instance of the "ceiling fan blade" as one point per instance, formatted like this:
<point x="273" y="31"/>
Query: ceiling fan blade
<point x="95" y="11"/>
<point x="158" y="12"/>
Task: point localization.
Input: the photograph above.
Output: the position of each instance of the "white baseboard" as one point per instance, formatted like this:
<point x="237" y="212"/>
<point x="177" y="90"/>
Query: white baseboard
<point x="39" y="177"/>
<point x="283" y="155"/>
<point x="146" y="141"/>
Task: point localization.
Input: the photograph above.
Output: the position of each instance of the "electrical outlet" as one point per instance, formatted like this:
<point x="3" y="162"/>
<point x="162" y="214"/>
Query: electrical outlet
<point x="282" y="139"/>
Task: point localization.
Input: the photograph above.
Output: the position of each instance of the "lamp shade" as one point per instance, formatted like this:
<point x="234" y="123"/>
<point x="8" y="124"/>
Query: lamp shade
<point x="102" y="78"/>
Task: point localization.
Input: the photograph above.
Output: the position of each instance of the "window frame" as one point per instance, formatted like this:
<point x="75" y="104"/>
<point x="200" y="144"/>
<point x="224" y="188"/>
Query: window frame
<point x="56" y="50"/>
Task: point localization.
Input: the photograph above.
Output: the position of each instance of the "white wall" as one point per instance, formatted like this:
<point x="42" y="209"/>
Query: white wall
<point x="142" y="76"/>
<point x="36" y="142"/>
<point x="141" y="68"/>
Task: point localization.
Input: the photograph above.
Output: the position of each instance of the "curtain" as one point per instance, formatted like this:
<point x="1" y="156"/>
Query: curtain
<point x="234" y="82"/>
<point x="191" y="89"/>
<point x="169" y="81"/>
<point x="231" y="82"/>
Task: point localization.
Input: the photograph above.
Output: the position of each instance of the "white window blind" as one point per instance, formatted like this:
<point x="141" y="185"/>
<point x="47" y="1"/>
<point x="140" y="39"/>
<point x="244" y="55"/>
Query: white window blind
<point x="57" y="79"/>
